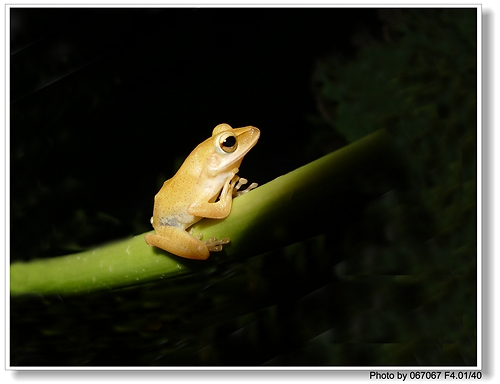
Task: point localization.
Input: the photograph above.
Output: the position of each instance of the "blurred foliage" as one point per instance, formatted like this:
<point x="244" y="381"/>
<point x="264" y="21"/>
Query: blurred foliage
<point x="421" y="264"/>
<point x="396" y="287"/>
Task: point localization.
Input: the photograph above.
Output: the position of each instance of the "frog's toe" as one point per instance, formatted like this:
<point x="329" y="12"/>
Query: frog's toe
<point x="241" y="182"/>
<point x="215" y="245"/>
<point x="198" y="236"/>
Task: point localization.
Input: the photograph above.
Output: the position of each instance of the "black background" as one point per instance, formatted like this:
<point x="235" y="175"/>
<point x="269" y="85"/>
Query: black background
<point x="105" y="103"/>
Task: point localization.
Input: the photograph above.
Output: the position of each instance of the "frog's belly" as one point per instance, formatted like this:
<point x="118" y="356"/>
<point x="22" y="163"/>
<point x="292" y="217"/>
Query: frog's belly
<point x="180" y="220"/>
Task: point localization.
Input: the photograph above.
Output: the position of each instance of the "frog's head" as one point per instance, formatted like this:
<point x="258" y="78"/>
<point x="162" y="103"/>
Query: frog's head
<point x="230" y="145"/>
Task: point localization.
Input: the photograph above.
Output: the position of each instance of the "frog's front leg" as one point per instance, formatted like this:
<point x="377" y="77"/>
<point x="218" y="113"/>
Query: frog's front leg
<point x="219" y="209"/>
<point x="179" y="242"/>
<point x="242" y="181"/>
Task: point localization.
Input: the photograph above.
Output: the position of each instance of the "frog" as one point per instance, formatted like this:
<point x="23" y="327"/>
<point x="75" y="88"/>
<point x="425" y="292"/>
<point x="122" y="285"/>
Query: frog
<point x="203" y="187"/>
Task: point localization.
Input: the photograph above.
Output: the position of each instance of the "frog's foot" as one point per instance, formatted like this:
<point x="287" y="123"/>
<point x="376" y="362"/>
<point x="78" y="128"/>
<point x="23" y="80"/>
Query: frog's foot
<point x="212" y="244"/>
<point x="242" y="181"/>
<point x="215" y="245"/>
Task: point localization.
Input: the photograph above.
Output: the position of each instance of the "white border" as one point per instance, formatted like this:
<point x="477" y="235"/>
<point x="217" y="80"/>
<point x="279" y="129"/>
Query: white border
<point x="368" y="4"/>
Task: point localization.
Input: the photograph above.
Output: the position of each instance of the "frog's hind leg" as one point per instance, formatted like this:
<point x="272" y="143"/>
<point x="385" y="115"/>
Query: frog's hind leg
<point x="212" y="244"/>
<point x="178" y="242"/>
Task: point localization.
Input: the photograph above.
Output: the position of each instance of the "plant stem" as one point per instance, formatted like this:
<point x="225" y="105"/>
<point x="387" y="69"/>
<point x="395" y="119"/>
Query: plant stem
<point x="286" y="210"/>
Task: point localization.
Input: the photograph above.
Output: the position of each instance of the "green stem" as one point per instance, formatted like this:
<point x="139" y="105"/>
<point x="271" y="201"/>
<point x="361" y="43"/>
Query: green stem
<point x="286" y="210"/>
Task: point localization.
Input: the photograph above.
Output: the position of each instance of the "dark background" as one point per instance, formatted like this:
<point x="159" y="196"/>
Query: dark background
<point x="105" y="105"/>
<point x="107" y="102"/>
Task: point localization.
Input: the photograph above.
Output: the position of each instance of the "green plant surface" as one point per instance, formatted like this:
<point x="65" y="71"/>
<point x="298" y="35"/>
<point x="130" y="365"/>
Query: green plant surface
<point x="284" y="211"/>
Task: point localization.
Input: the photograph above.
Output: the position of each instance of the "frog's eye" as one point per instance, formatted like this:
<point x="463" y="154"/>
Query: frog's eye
<point x="227" y="142"/>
